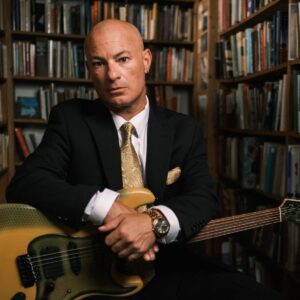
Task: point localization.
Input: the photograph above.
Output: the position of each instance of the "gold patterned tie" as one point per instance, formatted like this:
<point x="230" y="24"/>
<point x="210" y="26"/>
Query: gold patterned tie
<point x="131" y="168"/>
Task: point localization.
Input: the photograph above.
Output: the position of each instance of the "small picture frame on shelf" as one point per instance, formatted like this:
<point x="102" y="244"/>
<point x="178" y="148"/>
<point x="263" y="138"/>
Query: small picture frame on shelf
<point x="28" y="107"/>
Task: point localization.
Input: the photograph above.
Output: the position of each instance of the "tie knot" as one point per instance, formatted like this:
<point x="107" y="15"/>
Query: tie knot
<point x="127" y="130"/>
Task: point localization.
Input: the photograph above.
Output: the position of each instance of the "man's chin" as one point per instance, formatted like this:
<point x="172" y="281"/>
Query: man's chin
<point x="118" y="105"/>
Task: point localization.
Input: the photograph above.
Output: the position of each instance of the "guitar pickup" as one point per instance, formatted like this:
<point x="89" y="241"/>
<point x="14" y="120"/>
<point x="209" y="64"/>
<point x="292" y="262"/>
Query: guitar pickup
<point x="28" y="274"/>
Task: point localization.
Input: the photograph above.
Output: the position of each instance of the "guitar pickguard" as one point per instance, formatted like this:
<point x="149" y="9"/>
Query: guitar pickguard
<point x="66" y="267"/>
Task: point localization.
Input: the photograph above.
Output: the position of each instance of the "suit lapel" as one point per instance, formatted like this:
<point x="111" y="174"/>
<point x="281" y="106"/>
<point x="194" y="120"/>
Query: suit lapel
<point x="105" y="135"/>
<point x="159" y="146"/>
<point x="160" y="141"/>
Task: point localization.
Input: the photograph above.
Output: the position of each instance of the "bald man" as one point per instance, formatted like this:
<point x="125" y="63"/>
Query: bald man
<point x="75" y="174"/>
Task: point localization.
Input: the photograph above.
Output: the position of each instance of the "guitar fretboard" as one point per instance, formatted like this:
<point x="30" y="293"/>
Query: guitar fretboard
<point x="233" y="224"/>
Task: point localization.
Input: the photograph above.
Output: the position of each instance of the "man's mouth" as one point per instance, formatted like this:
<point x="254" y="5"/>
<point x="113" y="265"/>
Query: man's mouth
<point x="116" y="90"/>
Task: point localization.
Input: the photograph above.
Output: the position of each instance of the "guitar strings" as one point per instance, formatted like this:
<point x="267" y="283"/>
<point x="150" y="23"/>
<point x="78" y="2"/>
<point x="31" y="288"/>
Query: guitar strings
<point x="252" y="222"/>
<point x="205" y="233"/>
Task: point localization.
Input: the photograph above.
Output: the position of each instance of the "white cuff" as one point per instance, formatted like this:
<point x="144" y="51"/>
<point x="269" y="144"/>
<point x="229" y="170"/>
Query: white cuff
<point x="99" y="206"/>
<point x="173" y="221"/>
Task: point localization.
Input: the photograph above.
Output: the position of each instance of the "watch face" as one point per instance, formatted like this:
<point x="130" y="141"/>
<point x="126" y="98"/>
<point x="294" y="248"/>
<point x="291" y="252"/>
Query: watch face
<point x="162" y="226"/>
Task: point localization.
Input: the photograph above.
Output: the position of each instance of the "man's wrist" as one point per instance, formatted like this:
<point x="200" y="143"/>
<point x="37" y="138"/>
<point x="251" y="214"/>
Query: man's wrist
<point x="160" y="224"/>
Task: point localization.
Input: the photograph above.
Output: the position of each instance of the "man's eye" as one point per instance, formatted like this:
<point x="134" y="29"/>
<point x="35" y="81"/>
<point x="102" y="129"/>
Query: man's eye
<point x="96" y="64"/>
<point x="124" y="59"/>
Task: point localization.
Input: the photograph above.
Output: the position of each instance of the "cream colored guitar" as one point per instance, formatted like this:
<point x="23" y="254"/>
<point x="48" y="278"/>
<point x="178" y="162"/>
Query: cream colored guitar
<point x="43" y="259"/>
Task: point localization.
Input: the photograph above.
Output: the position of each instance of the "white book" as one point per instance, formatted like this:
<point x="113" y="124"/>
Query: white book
<point x="293" y="15"/>
<point x="284" y="104"/>
<point x="278" y="105"/>
<point x="50" y="58"/>
<point x="48" y="16"/>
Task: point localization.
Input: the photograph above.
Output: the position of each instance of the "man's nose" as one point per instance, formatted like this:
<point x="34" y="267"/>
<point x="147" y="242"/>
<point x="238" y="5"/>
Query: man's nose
<point x="113" y="71"/>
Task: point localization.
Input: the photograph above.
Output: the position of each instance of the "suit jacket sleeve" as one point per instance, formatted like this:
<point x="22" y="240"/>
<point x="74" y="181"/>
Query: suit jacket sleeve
<point x="193" y="197"/>
<point x="42" y="179"/>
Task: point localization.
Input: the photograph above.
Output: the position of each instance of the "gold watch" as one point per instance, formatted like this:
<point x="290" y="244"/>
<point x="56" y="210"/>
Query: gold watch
<point x="160" y="224"/>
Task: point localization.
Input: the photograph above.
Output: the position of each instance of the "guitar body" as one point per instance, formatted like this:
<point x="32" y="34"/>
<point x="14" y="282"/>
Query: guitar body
<point x="43" y="259"/>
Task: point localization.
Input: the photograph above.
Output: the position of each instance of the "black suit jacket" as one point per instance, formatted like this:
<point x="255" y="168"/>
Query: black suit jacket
<point x="80" y="155"/>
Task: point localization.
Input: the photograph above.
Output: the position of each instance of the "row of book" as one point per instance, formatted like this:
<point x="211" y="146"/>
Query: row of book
<point x="294" y="31"/>
<point x="28" y="139"/>
<point x="35" y="102"/>
<point x="253" y="164"/>
<point x="154" y="20"/>
<point x="296" y="100"/>
<point x="255" y="49"/>
<point x="232" y="12"/>
<point x="177" y="99"/>
<point x="292" y="262"/>
<point x="233" y="253"/>
<point x="259" y="106"/>
<point x="50" y="58"/>
<point x="172" y="64"/>
<point x="3" y="60"/>
<point x="3" y="151"/>
<point x="266" y="240"/>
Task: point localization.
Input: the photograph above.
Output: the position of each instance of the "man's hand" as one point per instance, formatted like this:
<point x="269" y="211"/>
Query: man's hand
<point x="131" y="235"/>
<point x="117" y="209"/>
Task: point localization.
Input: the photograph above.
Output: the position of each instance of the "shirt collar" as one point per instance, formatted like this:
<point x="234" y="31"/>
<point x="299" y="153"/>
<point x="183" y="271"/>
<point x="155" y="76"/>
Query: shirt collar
<point x="139" y="121"/>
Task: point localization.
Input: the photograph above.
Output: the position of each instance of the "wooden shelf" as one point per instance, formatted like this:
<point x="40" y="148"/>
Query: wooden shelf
<point x="52" y="79"/>
<point x="274" y="198"/>
<point x="169" y="42"/>
<point x="270" y="74"/>
<point x="24" y="34"/>
<point x="295" y="62"/>
<point x="80" y="38"/>
<point x="261" y="15"/>
<point x="30" y="121"/>
<point x="174" y="83"/>
<point x="250" y="132"/>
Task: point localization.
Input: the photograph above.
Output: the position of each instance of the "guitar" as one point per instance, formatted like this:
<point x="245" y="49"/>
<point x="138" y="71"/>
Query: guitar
<point x="44" y="259"/>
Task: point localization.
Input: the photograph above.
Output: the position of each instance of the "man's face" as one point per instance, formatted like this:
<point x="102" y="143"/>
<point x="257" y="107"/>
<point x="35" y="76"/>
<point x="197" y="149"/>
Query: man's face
<point x="117" y="64"/>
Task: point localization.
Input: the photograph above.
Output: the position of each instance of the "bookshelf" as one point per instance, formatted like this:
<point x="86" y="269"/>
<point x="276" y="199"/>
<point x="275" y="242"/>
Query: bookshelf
<point x="45" y="60"/>
<point x="3" y="104"/>
<point x="206" y="84"/>
<point x="257" y="60"/>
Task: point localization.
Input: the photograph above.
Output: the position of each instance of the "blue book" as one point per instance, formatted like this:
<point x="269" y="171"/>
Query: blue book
<point x="28" y="107"/>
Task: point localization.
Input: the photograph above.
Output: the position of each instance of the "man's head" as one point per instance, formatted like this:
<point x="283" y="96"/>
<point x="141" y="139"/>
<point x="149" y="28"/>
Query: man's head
<point x="117" y="62"/>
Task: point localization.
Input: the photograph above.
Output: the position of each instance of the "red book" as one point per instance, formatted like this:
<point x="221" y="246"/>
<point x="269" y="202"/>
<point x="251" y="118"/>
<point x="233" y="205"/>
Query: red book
<point x="22" y="142"/>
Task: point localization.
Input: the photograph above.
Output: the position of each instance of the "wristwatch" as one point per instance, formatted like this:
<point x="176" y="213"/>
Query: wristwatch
<point x="160" y="224"/>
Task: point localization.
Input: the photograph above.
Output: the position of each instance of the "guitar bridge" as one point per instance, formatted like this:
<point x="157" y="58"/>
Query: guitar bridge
<point x="28" y="274"/>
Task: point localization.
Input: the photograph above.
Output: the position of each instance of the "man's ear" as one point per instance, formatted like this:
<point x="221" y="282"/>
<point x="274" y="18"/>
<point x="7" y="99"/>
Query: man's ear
<point x="147" y="60"/>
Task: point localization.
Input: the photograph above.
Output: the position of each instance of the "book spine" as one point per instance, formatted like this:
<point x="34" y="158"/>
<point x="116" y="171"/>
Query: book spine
<point x="22" y="142"/>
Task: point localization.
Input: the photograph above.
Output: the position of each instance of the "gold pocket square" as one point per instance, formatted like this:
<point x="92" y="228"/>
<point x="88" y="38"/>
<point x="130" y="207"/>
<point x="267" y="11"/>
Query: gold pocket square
<point x="173" y="175"/>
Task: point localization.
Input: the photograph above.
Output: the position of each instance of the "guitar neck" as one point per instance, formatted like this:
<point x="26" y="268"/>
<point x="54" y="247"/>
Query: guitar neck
<point x="233" y="224"/>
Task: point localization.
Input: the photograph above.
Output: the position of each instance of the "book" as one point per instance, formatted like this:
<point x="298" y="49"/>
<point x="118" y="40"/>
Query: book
<point x="249" y="159"/>
<point x="27" y="107"/>
<point x="41" y="58"/>
<point x="22" y="142"/>
<point x="39" y="11"/>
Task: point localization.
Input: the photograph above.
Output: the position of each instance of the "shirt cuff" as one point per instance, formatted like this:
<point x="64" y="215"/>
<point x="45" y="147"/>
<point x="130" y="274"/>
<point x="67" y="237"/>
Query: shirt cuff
<point x="99" y="205"/>
<point x="173" y="221"/>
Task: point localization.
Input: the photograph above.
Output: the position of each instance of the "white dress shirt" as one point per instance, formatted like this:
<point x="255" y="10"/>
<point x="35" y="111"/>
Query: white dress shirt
<point x="101" y="202"/>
